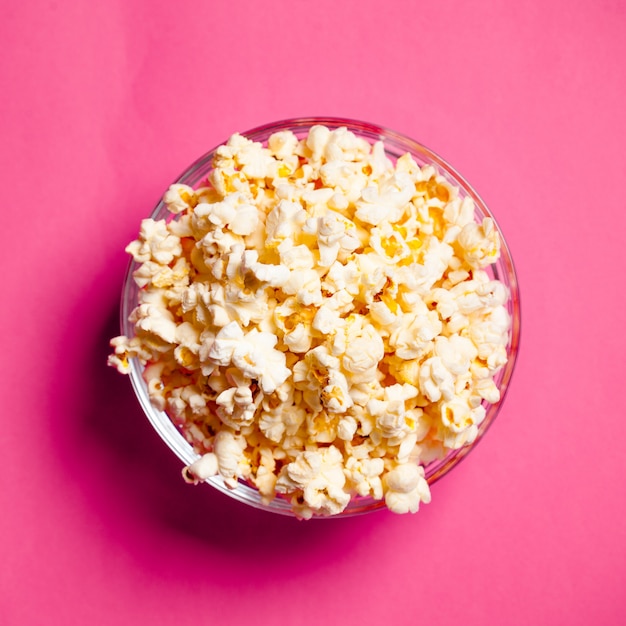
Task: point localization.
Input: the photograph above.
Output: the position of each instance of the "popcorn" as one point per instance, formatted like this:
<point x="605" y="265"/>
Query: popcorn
<point x="234" y="213"/>
<point x="282" y="144"/>
<point x="205" y="467"/>
<point x="413" y="339"/>
<point x="155" y="243"/>
<point x="364" y="475"/>
<point x="305" y="285"/>
<point x="225" y="343"/>
<point x="435" y="380"/>
<point x="456" y="353"/>
<point x="256" y="357"/>
<point x="252" y="354"/>
<point x="364" y="347"/>
<point x="480" y="244"/>
<point x="155" y="323"/>
<point x="406" y="488"/>
<point x="276" y="422"/>
<point x="347" y="427"/>
<point x="317" y="477"/>
<point x="392" y="417"/>
<point x="125" y="349"/>
<point x="456" y="415"/>
<point x="283" y="222"/>
<point x="335" y="395"/>
<point x="333" y="236"/>
<point x="386" y="201"/>
<point x="320" y="322"/>
<point x="236" y="407"/>
<point x="299" y="339"/>
<point x="179" y="198"/>
<point x="229" y="452"/>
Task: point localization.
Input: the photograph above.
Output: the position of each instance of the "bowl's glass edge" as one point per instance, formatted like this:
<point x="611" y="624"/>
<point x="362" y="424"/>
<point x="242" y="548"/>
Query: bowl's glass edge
<point x="435" y="470"/>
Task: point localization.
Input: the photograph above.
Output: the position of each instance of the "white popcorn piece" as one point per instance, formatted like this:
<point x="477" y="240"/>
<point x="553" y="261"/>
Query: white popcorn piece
<point x="313" y="371"/>
<point x="487" y="389"/>
<point x="282" y="144"/>
<point x="201" y="469"/>
<point x="344" y="178"/>
<point x="386" y="201"/>
<point x="217" y="242"/>
<point x="179" y="198"/>
<point x="315" y="201"/>
<point x="347" y="427"/>
<point x="194" y="400"/>
<point x="284" y="221"/>
<point x="276" y="422"/>
<point x="445" y="302"/>
<point x="254" y="355"/>
<point x="414" y="337"/>
<point x="364" y="476"/>
<point x="492" y="294"/>
<point x="335" y="395"/>
<point x="480" y="243"/>
<point x="273" y="275"/>
<point x="288" y="314"/>
<point x="334" y="234"/>
<point x="156" y="321"/>
<point x="456" y="353"/>
<point x="299" y="339"/>
<point x="126" y="349"/>
<point x="407" y="165"/>
<point x="295" y="257"/>
<point x="343" y="277"/>
<point x="421" y="277"/>
<point x="372" y="273"/>
<point x="460" y="212"/>
<point x="236" y="407"/>
<point x="321" y="427"/>
<point x="306" y="286"/>
<point x="390" y="413"/>
<point x="406" y="488"/>
<point x="364" y="347"/>
<point x="435" y="380"/>
<point x="233" y="213"/>
<point x="229" y="451"/>
<point x="384" y="318"/>
<point x="226" y="340"/>
<point x="382" y="165"/>
<point x="155" y="243"/>
<point x="319" y="478"/>
<point x="406" y="447"/>
<point x="327" y="321"/>
<point x="316" y="141"/>
<point x="254" y="161"/>
<point x="175" y="279"/>
<point x="456" y="415"/>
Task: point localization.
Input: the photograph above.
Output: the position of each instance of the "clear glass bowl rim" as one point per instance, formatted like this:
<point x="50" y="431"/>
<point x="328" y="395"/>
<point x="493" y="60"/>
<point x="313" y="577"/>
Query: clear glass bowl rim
<point x="396" y="144"/>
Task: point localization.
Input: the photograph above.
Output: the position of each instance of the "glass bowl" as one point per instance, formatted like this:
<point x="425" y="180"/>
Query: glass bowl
<point x="396" y="145"/>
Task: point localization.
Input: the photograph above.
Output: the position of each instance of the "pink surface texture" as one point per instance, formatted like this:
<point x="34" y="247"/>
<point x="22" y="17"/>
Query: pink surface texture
<point x="104" y="104"/>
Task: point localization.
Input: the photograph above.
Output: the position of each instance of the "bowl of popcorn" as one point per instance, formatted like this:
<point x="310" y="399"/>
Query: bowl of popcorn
<point x="320" y="318"/>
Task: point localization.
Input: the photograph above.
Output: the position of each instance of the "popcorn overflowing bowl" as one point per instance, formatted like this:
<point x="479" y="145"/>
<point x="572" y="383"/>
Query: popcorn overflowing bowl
<point x="321" y="318"/>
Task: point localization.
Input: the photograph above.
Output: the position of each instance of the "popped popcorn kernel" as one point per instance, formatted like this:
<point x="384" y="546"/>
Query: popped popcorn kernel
<point x="319" y="320"/>
<point x="205" y="467"/>
<point x="179" y="198"/>
<point x="316" y="480"/>
<point x="406" y="488"/>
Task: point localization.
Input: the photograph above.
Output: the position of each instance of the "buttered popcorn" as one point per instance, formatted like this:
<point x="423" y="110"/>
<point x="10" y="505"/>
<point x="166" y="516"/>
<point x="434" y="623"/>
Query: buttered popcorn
<point x="319" y="321"/>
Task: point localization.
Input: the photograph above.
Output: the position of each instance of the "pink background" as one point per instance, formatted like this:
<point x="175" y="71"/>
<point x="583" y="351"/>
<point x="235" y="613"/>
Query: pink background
<point x="104" y="103"/>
